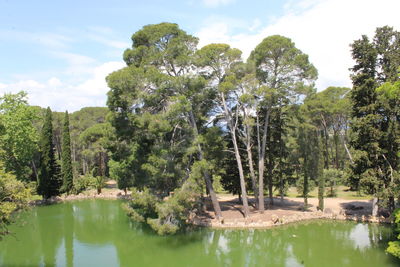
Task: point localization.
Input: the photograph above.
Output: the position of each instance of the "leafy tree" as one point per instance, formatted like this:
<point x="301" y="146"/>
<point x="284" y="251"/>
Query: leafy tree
<point x="14" y="196"/>
<point x="332" y="178"/>
<point x="394" y="246"/>
<point x="66" y="163"/>
<point x="18" y="137"/>
<point x="159" y="108"/>
<point x="217" y="61"/>
<point x="95" y="141"/>
<point x="285" y="73"/>
<point x="329" y="111"/>
<point x="372" y="129"/>
<point x="49" y="181"/>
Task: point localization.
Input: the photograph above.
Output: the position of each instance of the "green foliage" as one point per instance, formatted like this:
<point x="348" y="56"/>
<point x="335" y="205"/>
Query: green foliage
<point x="121" y="171"/>
<point x="13" y="197"/>
<point x="321" y="192"/>
<point x="18" y="137"/>
<point x="66" y="162"/>
<point x="375" y="114"/>
<point x="85" y="182"/>
<point x="300" y="186"/>
<point x="49" y="181"/>
<point x="394" y="246"/>
<point x="174" y="213"/>
<point x="332" y="178"/>
<point x="142" y="206"/>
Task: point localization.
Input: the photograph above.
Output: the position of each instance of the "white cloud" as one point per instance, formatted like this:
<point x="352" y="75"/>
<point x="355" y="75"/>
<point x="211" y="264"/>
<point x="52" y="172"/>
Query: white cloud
<point x="323" y="29"/>
<point x="54" y="82"/>
<point x="216" y="3"/>
<point x="61" y="96"/>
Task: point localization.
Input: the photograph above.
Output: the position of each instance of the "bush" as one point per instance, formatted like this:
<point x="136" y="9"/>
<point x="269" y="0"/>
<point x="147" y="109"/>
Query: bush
<point x="13" y="195"/>
<point x="99" y="183"/>
<point x="394" y="246"/>
<point x="142" y="206"/>
<point x="300" y="186"/>
<point x="174" y="213"/>
<point x="332" y="178"/>
<point x="84" y="183"/>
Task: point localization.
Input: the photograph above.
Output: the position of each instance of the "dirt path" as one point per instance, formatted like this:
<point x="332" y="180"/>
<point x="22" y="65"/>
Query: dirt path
<point x="290" y="210"/>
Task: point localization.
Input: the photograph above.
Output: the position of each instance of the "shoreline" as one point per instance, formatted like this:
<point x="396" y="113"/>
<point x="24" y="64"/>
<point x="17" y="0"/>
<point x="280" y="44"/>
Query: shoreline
<point x="238" y="222"/>
<point x="280" y="221"/>
<point x="112" y="194"/>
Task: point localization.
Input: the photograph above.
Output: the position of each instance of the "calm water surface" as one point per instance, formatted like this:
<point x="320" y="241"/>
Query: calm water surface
<point x="97" y="233"/>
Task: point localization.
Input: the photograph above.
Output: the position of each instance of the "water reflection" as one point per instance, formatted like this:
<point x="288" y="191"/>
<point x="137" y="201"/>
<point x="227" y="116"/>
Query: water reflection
<point x="97" y="233"/>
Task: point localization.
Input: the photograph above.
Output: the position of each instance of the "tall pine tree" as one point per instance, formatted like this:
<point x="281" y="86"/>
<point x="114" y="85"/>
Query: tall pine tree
<point x="66" y="163"/>
<point x="48" y="178"/>
<point x="377" y="62"/>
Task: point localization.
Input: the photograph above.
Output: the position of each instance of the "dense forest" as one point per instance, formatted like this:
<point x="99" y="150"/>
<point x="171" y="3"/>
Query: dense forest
<point x="183" y="123"/>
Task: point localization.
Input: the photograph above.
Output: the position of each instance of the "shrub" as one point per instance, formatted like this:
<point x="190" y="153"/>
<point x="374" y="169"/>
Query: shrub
<point x="300" y="186"/>
<point x="142" y="206"/>
<point x="332" y="178"/>
<point x="13" y="197"/>
<point x="394" y="246"/>
<point x="83" y="183"/>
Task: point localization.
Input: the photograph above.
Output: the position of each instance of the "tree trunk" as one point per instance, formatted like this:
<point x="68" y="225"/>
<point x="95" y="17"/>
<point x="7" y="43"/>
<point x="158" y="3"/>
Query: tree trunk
<point x="282" y="189"/>
<point x="375" y="207"/>
<point x="261" y="164"/>
<point x="252" y="175"/>
<point x="232" y="130"/>
<point x="326" y="164"/>
<point x="336" y="139"/>
<point x="207" y="178"/>
<point x="241" y="175"/>
<point x="270" y="185"/>
<point x="35" y="170"/>
<point x="348" y="153"/>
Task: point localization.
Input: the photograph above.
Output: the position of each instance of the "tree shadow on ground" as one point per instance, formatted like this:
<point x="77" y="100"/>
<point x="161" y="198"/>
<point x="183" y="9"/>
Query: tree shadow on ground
<point x="357" y="208"/>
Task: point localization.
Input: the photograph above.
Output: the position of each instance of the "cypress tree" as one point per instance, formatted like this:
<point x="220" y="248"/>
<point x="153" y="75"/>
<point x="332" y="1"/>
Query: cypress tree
<point x="66" y="163"/>
<point x="377" y="62"/>
<point x="48" y="178"/>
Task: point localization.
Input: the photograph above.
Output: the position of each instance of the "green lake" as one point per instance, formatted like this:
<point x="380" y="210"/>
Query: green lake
<point x="98" y="233"/>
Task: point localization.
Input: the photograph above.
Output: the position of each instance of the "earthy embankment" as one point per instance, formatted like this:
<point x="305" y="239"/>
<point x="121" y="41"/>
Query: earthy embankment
<point x="288" y="211"/>
<point x="109" y="192"/>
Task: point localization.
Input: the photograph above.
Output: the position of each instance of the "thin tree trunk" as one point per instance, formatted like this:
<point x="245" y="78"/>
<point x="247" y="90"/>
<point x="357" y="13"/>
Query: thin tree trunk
<point x="247" y="141"/>
<point x="261" y="164"/>
<point x="348" y="153"/>
<point x="241" y="176"/>
<point x="35" y="170"/>
<point x="336" y="139"/>
<point x="232" y="130"/>
<point x="375" y="207"/>
<point x="270" y="179"/>
<point x="252" y="173"/>
<point x="207" y="179"/>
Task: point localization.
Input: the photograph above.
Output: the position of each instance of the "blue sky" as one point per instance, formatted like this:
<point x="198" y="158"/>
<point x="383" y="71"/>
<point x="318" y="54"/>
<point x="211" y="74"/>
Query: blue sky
<point x="61" y="51"/>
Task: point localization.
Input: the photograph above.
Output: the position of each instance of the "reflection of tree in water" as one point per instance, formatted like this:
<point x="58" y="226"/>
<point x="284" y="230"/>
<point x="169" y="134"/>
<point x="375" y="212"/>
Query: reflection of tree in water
<point x="50" y="227"/>
<point x="68" y="212"/>
<point x="94" y="221"/>
<point x="104" y="223"/>
<point x="24" y="248"/>
<point x="331" y="244"/>
<point x="247" y="247"/>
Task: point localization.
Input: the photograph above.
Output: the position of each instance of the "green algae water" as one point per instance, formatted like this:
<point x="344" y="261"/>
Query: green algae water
<point x="98" y="233"/>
